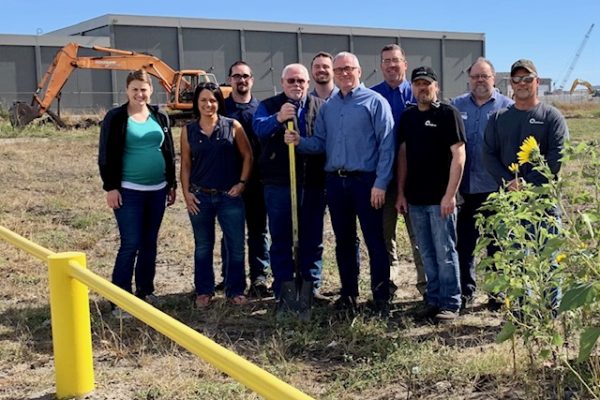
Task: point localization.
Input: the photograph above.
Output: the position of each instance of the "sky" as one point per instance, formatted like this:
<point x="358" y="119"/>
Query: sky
<point x="548" y="32"/>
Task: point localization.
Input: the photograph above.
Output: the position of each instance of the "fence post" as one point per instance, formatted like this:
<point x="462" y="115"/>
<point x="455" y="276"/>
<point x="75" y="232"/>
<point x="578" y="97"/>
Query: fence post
<point x="71" y="329"/>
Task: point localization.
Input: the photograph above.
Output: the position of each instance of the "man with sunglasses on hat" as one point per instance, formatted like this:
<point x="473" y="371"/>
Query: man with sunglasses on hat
<point x="270" y="122"/>
<point x="507" y="129"/>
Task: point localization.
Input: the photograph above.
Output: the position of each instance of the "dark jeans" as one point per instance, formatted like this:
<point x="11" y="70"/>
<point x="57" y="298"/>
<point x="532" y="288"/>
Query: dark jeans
<point x="348" y="198"/>
<point x="258" y="236"/>
<point x="229" y="211"/>
<point x="467" y="235"/>
<point x="311" y="211"/>
<point x="139" y="220"/>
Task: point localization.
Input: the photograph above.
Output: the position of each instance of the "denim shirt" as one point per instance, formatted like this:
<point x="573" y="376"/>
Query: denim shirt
<point x="476" y="178"/>
<point x="356" y="133"/>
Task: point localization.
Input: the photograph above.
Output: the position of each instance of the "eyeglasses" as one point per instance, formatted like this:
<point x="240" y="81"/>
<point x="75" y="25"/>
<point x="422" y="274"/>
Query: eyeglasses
<point x="293" y="81"/>
<point x="341" y="70"/>
<point x="525" y="78"/>
<point x="239" y="77"/>
<point x="394" y="60"/>
<point x="480" y="76"/>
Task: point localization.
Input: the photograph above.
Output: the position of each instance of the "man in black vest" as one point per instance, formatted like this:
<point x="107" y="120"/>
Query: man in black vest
<point x="270" y="120"/>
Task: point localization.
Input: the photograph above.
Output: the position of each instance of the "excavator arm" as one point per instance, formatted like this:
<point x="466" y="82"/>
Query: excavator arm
<point x="178" y="84"/>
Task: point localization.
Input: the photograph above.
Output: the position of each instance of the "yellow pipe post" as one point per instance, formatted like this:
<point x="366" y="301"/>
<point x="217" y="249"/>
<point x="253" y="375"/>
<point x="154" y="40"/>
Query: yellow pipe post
<point x="71" y="329"/>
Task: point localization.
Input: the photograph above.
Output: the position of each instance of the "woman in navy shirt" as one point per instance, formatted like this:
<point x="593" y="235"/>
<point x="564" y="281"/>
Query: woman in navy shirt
<point x="216" y="160"/>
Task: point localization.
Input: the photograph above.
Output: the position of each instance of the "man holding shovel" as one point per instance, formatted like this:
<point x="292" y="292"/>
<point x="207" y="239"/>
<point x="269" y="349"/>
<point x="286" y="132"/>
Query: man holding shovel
<point x="292" y="256"/>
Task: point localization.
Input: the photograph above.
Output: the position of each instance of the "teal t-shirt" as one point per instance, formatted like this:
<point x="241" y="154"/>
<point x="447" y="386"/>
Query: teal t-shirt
<point x="143" y="161"/>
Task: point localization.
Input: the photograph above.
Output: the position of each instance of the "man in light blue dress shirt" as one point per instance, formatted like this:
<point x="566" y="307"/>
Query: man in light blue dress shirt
<point x="355" y="130"/>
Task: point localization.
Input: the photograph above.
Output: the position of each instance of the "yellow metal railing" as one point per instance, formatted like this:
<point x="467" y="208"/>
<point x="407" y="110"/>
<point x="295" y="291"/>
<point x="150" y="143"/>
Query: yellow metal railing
<point x="71" y="330"/>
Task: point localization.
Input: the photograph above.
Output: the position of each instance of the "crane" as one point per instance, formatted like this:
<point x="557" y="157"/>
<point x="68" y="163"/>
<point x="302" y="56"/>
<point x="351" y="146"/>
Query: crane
<point x="575" y="59"/>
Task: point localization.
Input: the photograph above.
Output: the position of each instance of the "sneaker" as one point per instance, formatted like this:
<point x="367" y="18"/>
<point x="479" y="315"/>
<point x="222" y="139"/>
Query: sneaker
<point x="119" y="313"/>
<point x="393" y="289"/>
<point x="320" y="297"/>
<point x="203" y="300"/>
<point x="446" y="316"/>
<point x="220" y="286"/>
<point x="427" y="312"/>
<point x="346" y="304"/>
<point x="259" y="289"/>
<point x="466" y="302"/>
<point x="238" y="300"/>
<point x="382" y="308"/>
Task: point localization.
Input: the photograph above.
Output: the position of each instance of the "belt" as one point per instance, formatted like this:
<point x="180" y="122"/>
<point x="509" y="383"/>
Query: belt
<point x="342" y="173"/>
<point x="195" y="188"/>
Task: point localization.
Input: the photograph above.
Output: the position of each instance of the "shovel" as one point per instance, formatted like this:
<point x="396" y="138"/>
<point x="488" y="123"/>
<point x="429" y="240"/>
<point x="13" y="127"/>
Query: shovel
<point x="297" y="295"/>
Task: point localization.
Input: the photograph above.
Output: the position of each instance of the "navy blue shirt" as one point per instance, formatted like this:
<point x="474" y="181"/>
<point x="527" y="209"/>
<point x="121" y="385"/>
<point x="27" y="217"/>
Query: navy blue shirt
<point x="356" y="133"/>
<point x="216" y="163"/>
<point x="476" y="178"/>
<point x="398" y="98"/>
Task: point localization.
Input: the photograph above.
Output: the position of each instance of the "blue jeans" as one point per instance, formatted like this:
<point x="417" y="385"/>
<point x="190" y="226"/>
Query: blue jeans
<point x="229" y="211"/>
<point x="436" y="239"/>
<point x="139" y="220"/>
<point x="311" y="211"/>
<point x="259" y="260"/>
<point x="350" y="197"/>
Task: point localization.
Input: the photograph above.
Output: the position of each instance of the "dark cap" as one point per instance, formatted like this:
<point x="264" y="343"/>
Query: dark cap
<point x="524" y="64"/>
<point x="423" y="73"/>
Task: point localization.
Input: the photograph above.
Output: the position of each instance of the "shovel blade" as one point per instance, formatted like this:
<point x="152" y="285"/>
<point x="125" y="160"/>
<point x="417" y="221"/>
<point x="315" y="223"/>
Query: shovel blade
<point x="296" y="297"/>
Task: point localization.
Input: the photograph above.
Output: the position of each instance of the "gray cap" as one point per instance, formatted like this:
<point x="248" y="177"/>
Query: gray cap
<point x="524" y="64"/>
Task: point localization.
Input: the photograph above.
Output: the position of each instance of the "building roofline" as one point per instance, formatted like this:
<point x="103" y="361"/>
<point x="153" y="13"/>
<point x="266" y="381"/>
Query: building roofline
<point x="138" y="20"/>
<point x="52" y="40"/>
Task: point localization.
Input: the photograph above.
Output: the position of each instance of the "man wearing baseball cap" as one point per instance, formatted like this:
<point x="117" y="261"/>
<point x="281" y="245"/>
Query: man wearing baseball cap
<point x="432" y="151"/>
<point x="509" y="127"/>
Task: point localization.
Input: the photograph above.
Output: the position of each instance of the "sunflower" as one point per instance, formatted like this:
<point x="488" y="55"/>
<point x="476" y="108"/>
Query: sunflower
<point x="560" y="258"/>
<point x="514" y="168"/>
<point x="530" y="151"/>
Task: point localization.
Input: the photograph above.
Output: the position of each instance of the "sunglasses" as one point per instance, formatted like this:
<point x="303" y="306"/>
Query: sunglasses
<point x="525" y="78"/>
<point x="293" y="81"/>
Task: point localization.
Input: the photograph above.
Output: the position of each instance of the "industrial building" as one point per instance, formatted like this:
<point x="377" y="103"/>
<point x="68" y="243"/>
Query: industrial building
<point x="213" y="45"/>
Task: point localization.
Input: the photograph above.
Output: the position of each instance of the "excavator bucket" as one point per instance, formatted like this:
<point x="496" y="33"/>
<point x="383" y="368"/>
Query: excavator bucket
<point x="21" y="114"/>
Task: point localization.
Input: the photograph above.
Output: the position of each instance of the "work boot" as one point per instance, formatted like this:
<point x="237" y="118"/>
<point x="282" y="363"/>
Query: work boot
<point x="258" y="289"/>
<point x="346" y="304"/>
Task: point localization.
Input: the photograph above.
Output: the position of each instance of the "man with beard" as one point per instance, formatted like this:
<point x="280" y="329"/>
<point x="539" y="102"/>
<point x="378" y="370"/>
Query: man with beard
<point x="321" y="68"/>
<point x="475" y="107"/>
<point x="397" y="91"/>
<point x="430" y="165"/>
<point x="509" y="127"/>
<point x="355" y="131"/>
<point x="270" y="122"/>
<point x="241" y="106"/>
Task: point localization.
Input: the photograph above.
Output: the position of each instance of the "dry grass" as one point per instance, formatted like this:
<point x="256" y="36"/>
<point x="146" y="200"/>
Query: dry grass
<point x="51" y="193"/>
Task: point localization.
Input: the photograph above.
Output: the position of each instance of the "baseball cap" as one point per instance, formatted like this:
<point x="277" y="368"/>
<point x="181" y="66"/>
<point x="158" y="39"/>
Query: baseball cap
<point x="525" y="64"/>
<point x="423" y="73"/>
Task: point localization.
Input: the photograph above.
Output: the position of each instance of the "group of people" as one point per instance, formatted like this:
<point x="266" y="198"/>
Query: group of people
<point x="365" y="153"/>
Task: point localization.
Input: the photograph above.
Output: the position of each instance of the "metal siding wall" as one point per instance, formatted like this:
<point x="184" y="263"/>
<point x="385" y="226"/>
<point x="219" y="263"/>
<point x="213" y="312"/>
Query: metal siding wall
<point x="17" y="69"/>
<point x="368" y="50"/>
<point x="459" y="56"/>
<point x="422" y="52"/>
<point x="212" y="50"/>
<point x="158" y="41"/>
<point x="312" y="44"/>
<point x="268" y="53"/>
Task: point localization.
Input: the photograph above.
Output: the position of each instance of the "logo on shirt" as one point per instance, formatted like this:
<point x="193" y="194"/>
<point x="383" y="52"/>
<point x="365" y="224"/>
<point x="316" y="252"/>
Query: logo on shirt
<point x="431" y="124"/>
<point x="464" y="115"/>
<point x="533" y="121"/>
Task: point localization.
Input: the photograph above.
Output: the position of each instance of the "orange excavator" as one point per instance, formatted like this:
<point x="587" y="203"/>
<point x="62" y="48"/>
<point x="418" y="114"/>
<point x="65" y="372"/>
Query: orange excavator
<point x="179" y="85"/>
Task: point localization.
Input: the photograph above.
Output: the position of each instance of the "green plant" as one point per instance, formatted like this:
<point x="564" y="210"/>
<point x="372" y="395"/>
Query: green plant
<point x="539" y="252"/>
